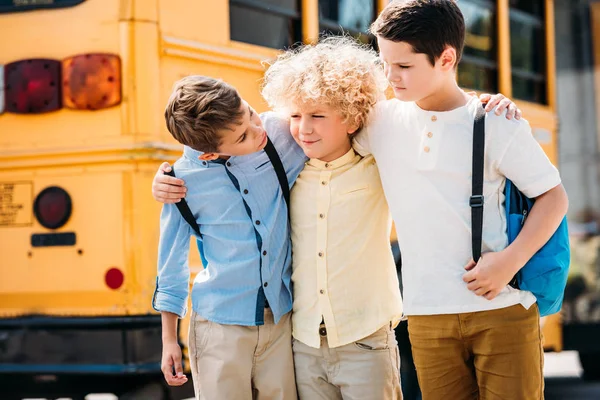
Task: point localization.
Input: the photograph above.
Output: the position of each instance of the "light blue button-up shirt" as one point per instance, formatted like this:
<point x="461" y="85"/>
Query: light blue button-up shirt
<point x="245" y="244"/>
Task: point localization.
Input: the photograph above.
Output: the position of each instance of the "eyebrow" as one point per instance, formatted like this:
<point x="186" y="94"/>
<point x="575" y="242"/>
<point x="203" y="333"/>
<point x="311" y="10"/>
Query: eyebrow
<point x="246" y="131"/>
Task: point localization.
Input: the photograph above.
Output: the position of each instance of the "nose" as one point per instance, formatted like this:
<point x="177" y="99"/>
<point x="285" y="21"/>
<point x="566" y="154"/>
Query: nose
<point x="305" y="126"/>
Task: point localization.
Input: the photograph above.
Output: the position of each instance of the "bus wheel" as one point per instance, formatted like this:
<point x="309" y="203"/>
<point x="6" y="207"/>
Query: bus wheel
<point x="590" y="362"/>
<point x="150" y="391"/>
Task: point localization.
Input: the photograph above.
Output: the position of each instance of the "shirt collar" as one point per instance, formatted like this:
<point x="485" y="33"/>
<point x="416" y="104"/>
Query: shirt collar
<point x="330" y="165"/>
<point x="194" y="154"/>
<point x="460" y="114"/>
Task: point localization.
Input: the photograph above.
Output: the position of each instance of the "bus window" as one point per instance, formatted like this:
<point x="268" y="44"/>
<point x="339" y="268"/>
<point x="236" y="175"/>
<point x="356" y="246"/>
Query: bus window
<point x="29" y="5"/>
<point x="527" y="50"/>
<point x="478" y="68"/>
<point x="352" y="17"/>
<point x="270" y="23"/>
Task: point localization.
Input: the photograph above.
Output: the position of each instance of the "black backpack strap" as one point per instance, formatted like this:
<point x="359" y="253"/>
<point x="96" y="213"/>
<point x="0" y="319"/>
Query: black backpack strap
<point x="476" y="201"/>
<point x="184" y="209"/>
<point x="279" y="170"/>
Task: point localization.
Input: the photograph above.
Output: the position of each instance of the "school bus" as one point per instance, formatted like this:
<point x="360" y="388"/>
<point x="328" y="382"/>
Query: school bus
<point x="83" y="85"/>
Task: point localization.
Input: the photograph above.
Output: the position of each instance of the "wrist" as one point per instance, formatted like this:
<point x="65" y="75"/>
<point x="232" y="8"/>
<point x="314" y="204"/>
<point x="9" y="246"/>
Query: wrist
<point x="514" y="259"/>
<point x="168" y="339"/>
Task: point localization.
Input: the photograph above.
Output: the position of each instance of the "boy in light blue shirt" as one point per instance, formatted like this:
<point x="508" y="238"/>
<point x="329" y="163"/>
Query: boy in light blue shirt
<point x="242" y="299"/>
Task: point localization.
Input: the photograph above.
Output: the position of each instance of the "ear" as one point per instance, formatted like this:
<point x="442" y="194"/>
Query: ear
<point x="208" y="156"/>
<point x="352" y="128"/>
<point x="447" y="59"/>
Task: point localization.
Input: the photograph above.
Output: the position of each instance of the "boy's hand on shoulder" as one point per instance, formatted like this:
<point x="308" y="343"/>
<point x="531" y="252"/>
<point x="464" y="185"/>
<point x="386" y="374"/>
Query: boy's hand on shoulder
<point x="171" y="359"/>
<point x="165" y="188"/>
<point x="501" y="103"/>
<point x="490" y="275"/>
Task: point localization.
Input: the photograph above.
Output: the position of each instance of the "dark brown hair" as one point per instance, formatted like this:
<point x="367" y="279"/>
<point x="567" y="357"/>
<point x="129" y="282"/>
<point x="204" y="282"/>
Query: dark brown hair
<point x="427" y="25"/>
<point x="198" y="108"/>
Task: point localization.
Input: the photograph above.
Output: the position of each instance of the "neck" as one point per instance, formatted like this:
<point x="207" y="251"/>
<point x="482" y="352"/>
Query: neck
<point x="445" y="98"/>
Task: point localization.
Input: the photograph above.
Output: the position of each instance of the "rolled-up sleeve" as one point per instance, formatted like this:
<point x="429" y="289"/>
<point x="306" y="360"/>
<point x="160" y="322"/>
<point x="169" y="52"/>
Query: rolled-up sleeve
<point x="172" y="282"/>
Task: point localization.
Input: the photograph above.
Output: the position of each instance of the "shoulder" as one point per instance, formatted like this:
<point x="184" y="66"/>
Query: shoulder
<point x="502" y="132"/>
<point x="275" y="125"/>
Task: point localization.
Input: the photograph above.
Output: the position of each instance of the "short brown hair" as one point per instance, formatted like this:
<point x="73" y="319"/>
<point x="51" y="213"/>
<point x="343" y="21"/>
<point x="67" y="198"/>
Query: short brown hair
<point x="427" y="25"/>
<point x="198" y="108"/>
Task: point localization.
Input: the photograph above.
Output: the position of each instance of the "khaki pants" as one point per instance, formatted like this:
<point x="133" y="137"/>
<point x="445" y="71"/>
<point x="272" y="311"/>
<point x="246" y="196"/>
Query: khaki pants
<point x="483" y="355"/>
<point x="242" y="362"/>
<point x="366" y="369"/>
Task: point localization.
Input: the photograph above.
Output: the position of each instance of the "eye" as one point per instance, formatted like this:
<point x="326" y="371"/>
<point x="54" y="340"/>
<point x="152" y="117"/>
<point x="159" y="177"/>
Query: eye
<point x="251" y="111"/>
<point x="243" y="138"/>
<point x="404" y="66"/>
<point x="294" y="116"/>
<point x="318" y="116"/>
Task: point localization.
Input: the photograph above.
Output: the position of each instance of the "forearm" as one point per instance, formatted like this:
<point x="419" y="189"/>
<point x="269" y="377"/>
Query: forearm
<point x="541" y="223"/>
<point x="169" y="327"/>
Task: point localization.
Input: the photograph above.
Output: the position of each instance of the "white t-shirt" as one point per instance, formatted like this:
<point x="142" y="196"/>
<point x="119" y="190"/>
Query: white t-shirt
<point x="425" y="162"/>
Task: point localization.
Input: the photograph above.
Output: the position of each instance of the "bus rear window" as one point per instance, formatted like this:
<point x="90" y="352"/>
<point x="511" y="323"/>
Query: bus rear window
<point x="7" y="6"/>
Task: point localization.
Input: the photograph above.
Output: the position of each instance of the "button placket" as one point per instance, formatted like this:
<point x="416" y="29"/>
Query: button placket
<point x="323" y="204"/>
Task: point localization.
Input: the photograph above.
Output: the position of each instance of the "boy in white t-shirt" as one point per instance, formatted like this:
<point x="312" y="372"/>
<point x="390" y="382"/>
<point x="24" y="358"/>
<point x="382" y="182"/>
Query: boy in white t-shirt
<point x="473" y="336"/>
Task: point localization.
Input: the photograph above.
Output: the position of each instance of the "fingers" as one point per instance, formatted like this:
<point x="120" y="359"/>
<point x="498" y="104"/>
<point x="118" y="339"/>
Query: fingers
<point x="470" y="265"/>
<point x="494" y="101"/>
<point x="164" y="167"/>
<point x="491" y="295"/>
<point x="168" y="180"/>
<point x="484" y="97"/>
<point x="518" y="114"/>
<point x="177" y="379"/>
<point x="502" y="106"/>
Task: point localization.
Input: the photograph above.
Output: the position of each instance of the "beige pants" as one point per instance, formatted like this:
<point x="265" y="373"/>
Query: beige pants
<point x="242" y="362"/>
<point x="486" y="355"/>
<point x="366" y="369"/>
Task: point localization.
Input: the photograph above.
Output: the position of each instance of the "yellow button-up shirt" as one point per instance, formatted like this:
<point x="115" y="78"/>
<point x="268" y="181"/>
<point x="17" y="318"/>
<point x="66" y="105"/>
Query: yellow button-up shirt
<point x="343" y="267"/>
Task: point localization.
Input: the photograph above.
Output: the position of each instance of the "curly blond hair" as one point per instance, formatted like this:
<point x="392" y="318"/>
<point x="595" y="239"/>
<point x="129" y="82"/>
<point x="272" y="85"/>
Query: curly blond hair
<point x="337" y="71"/>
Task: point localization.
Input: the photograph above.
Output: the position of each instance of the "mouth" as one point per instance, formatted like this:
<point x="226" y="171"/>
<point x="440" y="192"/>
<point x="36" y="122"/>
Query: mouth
<point x="309" y="143"/>
<point x="398" y="88"/>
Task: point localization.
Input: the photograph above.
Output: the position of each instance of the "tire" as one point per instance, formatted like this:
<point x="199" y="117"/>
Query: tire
<point x="590" y="362"/>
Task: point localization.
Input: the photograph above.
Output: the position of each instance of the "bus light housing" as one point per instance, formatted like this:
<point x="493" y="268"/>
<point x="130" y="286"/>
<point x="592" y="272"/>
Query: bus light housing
<point x="91" y="81"/>
<point x="32" y="86"/>
<point x="52" y="207"/>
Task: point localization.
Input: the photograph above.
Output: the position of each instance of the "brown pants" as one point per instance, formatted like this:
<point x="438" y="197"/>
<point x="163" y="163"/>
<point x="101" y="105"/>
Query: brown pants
<point x="242" y="362"/>
<point x="483" y="355"/>
<point x="366" y="369"/>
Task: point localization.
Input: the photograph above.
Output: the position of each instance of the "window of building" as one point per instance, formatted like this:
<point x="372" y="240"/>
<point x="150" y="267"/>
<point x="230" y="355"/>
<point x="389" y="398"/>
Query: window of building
<point x="528" y="50"/>
<point x="478" y="68"/>
<point x="353" y="17"/>
<point x="269" y="23"/>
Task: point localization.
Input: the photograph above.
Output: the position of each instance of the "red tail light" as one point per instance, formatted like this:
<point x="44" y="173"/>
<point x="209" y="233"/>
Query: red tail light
<point x="114" y="278"/>
<point x="32" y="86"/>
<point x="91" y="81"/>
<point x="52" y="207"/>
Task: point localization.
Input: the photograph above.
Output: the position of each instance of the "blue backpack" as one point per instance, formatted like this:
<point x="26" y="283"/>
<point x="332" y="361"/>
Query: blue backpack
<point x="545" y="274"/>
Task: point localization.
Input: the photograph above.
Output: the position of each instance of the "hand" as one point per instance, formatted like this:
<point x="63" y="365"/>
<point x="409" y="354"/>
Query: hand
<point x="501" y="103"/>
<point x="165" y="188"/>
<point x="171" y="357"/>
<point x="490" y="275"/>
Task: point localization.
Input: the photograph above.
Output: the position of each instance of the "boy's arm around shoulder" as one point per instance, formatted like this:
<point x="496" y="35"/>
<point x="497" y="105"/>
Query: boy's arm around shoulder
<point x="292" y="156"/>
<point x="172" y="282"/>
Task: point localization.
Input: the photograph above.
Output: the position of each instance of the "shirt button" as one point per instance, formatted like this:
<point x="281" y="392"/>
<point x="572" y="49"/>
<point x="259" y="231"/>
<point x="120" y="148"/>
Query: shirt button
<point x="430" y="135"/>
<point x="245" y="191"/>
<point x="323" y="183"/>
<point x="266" y="284"/>
<point x="326" y="165"/>
<point x="320" y="254"/>
<point x="203" y="162"/>
<point x="321" y="216"/>
<point x="322" y="291"/>
<point x="257" y="222"/>
<point x="433" y="118"/>
<point x="228" y="164"/>
<point x="426" y="149"/>
<point x="264" y="253"/>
